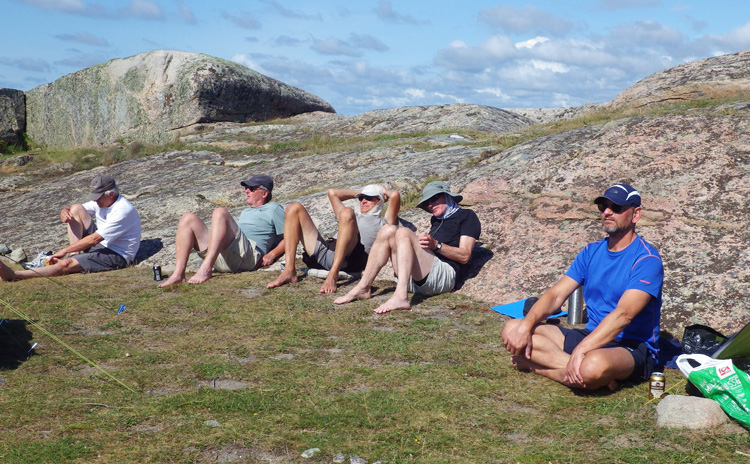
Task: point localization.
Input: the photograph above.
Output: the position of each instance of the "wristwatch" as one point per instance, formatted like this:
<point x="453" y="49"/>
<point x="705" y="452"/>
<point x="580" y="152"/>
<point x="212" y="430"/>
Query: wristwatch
<point x="438" y="246"/>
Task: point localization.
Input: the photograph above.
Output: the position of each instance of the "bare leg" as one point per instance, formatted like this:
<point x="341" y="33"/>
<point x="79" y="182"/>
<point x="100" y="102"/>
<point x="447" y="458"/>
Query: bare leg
<point x="61" y="267"/>
<point x="409" y="261"/>
<point x="79" y="224"/>
<point x="223" y="230"/>
<point x="298" y="226"/>
<point x="345" y="242"/>
<point x="380" y="253"/>
<point x="192" y="233"/>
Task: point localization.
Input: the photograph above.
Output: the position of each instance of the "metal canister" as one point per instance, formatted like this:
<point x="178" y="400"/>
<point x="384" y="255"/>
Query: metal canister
<point x="575" y="307"/>
<point x="657" y="382"/>
<point x="157" y="272"/>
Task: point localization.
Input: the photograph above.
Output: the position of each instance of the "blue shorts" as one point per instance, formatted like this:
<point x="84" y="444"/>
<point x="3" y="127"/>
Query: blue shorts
<point x="644" y="362"/>
<point x="100" y="258"/>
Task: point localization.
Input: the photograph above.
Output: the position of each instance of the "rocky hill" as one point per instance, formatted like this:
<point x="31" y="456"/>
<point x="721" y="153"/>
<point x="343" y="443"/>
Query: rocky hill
<point x="534" y="198"/>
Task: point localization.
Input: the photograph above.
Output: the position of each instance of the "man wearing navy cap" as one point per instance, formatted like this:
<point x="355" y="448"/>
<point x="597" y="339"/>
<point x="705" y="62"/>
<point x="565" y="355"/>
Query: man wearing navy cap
<point x="622" y="279"/>
<point x="255" y="240"/>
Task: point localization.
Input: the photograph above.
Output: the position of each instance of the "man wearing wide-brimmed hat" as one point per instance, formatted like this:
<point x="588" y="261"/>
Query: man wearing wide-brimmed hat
<point x="254" y="240"/>
<point x="622" y="277"/>
<point x="427" y="263"/>
<point x="104" y="234"/>
<point x="349" y="249"/>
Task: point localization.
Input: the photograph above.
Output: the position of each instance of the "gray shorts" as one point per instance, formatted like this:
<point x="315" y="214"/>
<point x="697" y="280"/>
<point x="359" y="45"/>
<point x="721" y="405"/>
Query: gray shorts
<point x="99" y="258"/>
<point x="240" y="255"/>
<point x="440" y="279"/>
<point x="322" y="256"/>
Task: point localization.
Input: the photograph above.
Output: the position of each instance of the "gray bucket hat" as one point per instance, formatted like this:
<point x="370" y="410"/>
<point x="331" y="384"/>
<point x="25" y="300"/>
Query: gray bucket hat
<point x="434" y="188"/>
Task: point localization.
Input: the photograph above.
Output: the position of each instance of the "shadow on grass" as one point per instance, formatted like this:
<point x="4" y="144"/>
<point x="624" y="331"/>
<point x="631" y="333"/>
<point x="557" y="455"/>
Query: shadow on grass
<point x="15" y="343"/>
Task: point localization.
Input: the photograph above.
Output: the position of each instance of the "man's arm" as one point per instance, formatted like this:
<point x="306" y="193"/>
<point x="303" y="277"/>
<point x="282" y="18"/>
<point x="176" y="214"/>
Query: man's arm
<point x="337" y="197"/>
<point x="82" y="244"/>
<point x="630" y="304"/>
<point x="273" y="255"/>
<point x="460" y="254"/>
<point x="394" y="205"/>
<point x="518" y="342"/>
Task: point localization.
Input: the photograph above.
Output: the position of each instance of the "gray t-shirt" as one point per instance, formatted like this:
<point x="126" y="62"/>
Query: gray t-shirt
<point x="369" y="226"/>
<point x="264" y="225"/>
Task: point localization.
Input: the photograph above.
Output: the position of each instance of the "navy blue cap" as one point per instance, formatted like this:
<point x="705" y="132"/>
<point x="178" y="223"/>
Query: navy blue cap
<point x="258" y="180"/>
<point x="621" y="194"/>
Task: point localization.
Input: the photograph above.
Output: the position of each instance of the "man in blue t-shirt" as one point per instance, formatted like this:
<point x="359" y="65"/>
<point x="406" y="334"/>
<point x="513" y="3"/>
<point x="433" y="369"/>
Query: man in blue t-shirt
<point x="426" y="263"/>
<point x="622" y="279"/>
<point x="255" y="240"/>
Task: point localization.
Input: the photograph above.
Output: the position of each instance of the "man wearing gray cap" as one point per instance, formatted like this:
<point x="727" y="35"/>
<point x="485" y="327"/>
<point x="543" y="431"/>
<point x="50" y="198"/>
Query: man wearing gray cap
<point x="104" y="234"/>
<point x="427" y="263"/>
<point x="356" y="232"/>
<point x="622" y="277"/>
<point x="255" y="240"/>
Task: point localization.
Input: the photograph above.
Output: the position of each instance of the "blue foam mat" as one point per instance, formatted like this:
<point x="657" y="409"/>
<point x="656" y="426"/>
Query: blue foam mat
<point x="515" y="310"/>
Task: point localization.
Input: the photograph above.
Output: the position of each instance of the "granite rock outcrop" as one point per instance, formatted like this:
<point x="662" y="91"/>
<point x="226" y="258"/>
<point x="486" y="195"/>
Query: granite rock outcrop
<point x="151" y="96"/>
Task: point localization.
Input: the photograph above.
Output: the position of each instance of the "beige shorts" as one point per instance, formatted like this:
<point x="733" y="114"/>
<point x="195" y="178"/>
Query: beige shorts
<point x="239" y="256"/>
<point x="441" y="279"/>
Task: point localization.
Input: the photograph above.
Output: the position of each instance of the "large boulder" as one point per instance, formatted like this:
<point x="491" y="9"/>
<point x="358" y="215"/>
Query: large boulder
<point x="717" y="77"/>
<point x="12" y="115"/>
<point x="150" y="97"/>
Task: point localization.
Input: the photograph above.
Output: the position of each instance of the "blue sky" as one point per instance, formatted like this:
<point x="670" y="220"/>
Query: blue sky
<point x="374" y="54"/>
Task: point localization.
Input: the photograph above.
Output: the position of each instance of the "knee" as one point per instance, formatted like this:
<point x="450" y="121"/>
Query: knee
<point x="510" y="326"/>
<point x="386" y="232"/>
<point x="346" y="215"/>
<point x="77" y="209"/>
<point x="220" y="213"/>
<point x="187" y="219"/>
<point x="594" y="368"/>
<point x="402" y="233"/>
<point x="293" y="209"/>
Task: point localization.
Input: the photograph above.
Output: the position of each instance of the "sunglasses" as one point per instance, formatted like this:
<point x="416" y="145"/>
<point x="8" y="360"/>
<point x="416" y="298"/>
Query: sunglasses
<point x="252" y="189"/>
<point x="617" y="209"/>
<point x="368" y="198"/>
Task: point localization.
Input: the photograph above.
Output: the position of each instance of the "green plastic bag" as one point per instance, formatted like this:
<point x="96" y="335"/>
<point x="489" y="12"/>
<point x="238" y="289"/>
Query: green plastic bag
<point x="719" y="380"/>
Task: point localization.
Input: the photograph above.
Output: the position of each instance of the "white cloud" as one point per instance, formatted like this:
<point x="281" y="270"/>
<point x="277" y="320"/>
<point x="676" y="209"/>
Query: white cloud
<point x="144" y="9"/>
<point x="612" y="5"/>
<point x="531" y="43"/>
<point x="245" y="20"/>
<point x="68" y="6"/>
<point x="84" y="38"/>
<point x="386" y="12"/>
<point x="333" y="46"/>
<point x="494" y="92"/>
<point x="186" y="13"/>
<point x="549" y="66"/>
<point x="415" y="93"/>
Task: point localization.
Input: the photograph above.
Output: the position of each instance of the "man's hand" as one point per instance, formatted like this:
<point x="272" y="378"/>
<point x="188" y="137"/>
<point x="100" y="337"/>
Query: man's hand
<point x="267" y="260"/>
<point x="518" y="341"/>
<point x="65" y="215"/>
<point x="427" y="242"/>
<point x="573" y="370"/>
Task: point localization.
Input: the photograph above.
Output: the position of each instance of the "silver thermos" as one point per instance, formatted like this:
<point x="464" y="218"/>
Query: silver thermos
<point x="575" y="306"/>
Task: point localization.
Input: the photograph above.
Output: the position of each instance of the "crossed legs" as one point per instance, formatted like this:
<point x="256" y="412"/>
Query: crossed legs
<point x="193" y="234"/>
<point x="409" y="261"/>
<point x="600" y="367"/>
<point x="299" y="227"/>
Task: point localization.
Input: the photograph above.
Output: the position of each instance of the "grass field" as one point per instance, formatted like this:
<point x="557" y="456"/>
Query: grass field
<point x="228" y="371"/>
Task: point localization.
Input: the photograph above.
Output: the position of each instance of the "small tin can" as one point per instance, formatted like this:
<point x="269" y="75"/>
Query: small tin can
<point x="157" y="272"/>
<point x="657" y="382"/>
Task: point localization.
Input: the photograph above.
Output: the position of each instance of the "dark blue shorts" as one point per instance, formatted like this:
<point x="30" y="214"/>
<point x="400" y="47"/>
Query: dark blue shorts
<point x="644" y="363"/>
<point x="100" y="258"/>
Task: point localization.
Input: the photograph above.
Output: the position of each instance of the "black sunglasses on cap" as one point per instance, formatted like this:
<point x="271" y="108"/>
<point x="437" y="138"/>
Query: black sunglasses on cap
<point x="368" y="198"/>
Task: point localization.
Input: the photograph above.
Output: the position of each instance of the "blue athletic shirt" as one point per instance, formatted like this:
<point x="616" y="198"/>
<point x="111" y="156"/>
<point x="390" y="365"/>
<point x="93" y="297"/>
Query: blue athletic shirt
<point x="605" y="275"/>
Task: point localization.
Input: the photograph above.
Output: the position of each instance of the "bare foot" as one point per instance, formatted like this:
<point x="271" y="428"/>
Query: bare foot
<point x="173" y="279"/>
<point x="283" y="278"/>
<point x="354" y="294"/>
<point x="392" y="304"/>
<point x="200" y="276"/>
<point x="329" y="286"/>
<point x="521" y="363"/>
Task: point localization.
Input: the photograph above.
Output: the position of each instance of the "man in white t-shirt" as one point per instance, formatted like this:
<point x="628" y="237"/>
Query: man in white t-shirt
<point x="348" y="251"/>
<point x="104" y="234"/>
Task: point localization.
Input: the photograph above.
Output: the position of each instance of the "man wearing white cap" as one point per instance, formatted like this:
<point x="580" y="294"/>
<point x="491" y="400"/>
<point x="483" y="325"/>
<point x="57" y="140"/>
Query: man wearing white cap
<point x="622" y="277"/>
<point x="104" y="234"/>
<point x="348" y="251"/>
<point x="427" y="263"/>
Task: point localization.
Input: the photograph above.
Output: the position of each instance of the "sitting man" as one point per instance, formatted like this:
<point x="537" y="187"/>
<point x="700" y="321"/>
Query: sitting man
<point x="348" y="251"/>
<point x="426" y="263"/>
<point x="622" y="285"/>
<point x="255" y="240"/>
<point x="109" y="243"/>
